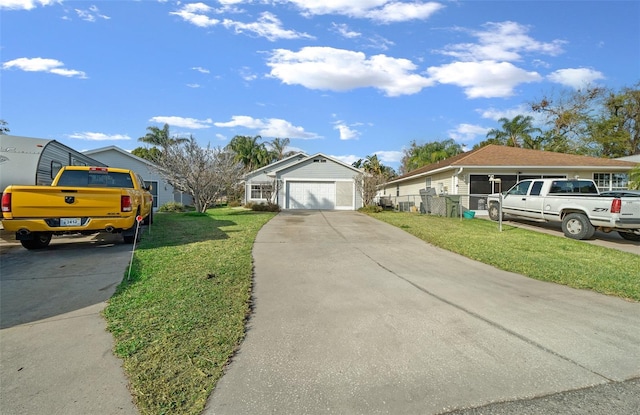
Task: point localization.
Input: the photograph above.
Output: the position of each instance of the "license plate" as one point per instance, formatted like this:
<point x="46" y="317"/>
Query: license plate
<point x="70" y="222"/>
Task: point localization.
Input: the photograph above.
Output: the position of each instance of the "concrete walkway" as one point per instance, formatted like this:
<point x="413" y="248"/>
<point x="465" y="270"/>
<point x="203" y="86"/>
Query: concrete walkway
<point x="55" y="353"/>
<point x="354" y="316"/>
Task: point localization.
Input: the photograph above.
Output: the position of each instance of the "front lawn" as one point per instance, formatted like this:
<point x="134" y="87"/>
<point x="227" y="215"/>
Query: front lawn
<point x="180" y="317"/>
<point x="534" y="254"/>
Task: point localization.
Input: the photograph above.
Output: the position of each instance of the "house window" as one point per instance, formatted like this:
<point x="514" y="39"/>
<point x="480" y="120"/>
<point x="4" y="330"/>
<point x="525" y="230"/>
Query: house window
<point x="397" y="190"/>
<point x="611" y="181"/>
<point x="261" y="191"/>
<point x="427" y="183"/>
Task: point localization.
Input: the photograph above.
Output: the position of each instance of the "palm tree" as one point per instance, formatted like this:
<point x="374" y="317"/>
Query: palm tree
<point x="515" y="133"/>
<point x="278" y="147"/>
<point x="160" y="137"/>
<point x="249" y="151"/>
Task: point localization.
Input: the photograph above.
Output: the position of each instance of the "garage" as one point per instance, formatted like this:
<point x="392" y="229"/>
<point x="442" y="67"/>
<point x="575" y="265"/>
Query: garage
<point x="316" y="182"/>
<point x="311" y="195"/>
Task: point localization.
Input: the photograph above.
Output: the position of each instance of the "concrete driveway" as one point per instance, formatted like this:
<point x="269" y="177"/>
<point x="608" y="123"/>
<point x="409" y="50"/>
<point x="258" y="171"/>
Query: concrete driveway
<point x="55" y="354"/>
<point x="354" y="316"/>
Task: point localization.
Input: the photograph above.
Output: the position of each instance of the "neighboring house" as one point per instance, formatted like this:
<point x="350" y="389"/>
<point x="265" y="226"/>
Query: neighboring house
<point x="472" y="175"/>
<point x="36" y="161"/>
<point x="114" y="156"/>
<point x="305" y="182"/>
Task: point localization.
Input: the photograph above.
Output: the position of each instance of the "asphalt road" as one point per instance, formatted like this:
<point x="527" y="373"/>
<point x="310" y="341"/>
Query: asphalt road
<point x="55" y="354"/>
<point x="354" y="316"/>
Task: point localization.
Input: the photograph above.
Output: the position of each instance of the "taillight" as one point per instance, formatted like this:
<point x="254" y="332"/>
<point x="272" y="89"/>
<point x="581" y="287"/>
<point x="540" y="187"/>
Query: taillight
<point x="125" y="204"/>
<point x="616" y="206"/>
<point x="6" y="202"/>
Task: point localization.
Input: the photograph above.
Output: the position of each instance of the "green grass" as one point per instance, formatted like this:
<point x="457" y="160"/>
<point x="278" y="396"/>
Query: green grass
<point x="181" y="315"/>
<point x="534" y="254"/>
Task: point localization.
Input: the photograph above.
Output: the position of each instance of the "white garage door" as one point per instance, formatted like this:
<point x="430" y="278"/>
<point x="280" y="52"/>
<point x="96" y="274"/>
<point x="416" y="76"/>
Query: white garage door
<point x="311" y="195"/>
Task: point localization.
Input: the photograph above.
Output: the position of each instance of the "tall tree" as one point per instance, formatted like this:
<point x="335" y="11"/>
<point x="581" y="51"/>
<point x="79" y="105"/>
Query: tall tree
<point x="4" y="130"/>
<point x="568" y="117"/>
<point x="515" y="132"/>
<point x="160" y="137"/>
<point x="620" y="125"/>
<point x="152" y="154"/>
<point x="204" y="173"/>
<point x="417" y="155"/>
<point x="249" y="151"/>
<point x="375" y="174"/>
<point x="278" y="148"/>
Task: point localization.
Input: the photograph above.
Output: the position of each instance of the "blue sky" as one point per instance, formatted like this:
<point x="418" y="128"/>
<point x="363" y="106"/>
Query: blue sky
<point x="348" y="78"/>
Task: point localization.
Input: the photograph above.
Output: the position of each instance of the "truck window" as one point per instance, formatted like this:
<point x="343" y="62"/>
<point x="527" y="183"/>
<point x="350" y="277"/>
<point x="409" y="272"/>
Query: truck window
<point x="83" y="178"/>
<point x="574" y="186"/>
<point x="520" y="188"/>
<point x="536" y="188"/>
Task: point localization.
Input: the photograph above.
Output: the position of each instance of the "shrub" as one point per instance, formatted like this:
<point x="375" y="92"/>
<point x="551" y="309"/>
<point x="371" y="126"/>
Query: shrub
<point x="263" y="207"/>
<point x="172" y="207"/>
<point x="370" y="209"/>
<point x="234" y="203"/>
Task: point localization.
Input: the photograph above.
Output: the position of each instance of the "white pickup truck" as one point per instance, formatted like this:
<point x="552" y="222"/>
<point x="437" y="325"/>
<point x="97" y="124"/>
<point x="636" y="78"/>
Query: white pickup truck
<point x="577" y="204"/>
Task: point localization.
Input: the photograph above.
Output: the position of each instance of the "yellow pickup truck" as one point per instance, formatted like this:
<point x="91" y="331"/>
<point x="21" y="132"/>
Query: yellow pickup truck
<point x="81" y="199"/>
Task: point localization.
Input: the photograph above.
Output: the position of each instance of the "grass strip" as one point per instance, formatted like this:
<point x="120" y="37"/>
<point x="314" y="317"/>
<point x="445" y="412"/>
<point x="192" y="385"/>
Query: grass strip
<point x="534" y="254"/>
<point x="181" y="315"/>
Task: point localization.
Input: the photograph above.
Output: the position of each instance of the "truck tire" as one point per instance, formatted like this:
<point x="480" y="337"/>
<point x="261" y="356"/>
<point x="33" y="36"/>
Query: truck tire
<point x="494" y="212"/>
<point x="577" y="226"/>
<point x="39" y="241"/>
<point x="629" y="236"/>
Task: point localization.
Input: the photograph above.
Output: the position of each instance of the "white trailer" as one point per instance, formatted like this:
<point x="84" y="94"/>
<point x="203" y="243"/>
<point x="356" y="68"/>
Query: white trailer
<point x="36" y="161"/>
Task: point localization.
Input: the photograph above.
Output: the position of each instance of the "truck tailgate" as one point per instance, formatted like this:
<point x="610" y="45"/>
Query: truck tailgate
<point x="64" y="202"/>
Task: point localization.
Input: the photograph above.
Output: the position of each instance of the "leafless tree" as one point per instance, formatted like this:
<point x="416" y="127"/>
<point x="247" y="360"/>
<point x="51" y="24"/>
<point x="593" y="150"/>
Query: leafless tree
<point x="204" y="173"/>
<point x="367" y="185"/>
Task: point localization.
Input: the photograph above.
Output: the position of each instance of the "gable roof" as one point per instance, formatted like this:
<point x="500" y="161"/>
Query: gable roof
<point x="497" y="156"/>
<point x="304" y="160"/>
<point x="272" y="166"/>
<point x="121" y="151"/>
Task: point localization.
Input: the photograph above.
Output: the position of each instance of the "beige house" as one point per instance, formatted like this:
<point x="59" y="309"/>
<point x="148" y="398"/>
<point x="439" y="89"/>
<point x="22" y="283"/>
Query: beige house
<point x="469" y="177"/>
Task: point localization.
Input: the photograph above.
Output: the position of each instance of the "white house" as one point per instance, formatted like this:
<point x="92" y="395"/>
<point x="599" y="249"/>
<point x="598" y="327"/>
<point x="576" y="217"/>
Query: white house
<point x="114" y="156"/>
<point x="305" y="182"/>
<point x="471" y="176"/>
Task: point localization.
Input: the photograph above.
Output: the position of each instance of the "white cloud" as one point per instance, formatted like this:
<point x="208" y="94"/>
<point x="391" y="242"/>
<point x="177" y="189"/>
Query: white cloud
<point x="267" y="26"/>
<point x="385" y="11"/>
<point x="191" y="123"/>
<point x="486" y="79"/>
<point x="269" y="127"/>
<point x="25" y="4"/>
<point x="53" y="66"/>
<point x="346" y="133"/>
<point x="349" y="159"/>
<point x="193" y="85"/>
<point x="393" y="12"/>
<point x="91" y="14"/>
<point x="389" y="156"/>
<point x="99" y="136"/>
<point x="466" y="133"/>
<point x="195" y="13"/>
<point x="504" y="41"/>
<point x="200" y="69"/>
<point x="344" y="31"/>
<point x="575" y="78"/>
<point x="510" y="113"/>
<point x="327" y="68"/>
